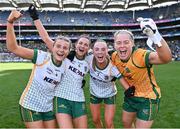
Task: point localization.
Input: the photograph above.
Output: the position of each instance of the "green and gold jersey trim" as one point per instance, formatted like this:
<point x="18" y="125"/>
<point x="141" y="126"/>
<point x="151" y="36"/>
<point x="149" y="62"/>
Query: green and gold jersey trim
<point x="35" y="56"/>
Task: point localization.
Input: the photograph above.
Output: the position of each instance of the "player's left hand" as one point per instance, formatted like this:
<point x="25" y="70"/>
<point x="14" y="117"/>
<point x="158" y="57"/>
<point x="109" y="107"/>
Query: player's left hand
<point x="148" y="26"/>
<point x="71" y="55"/>
<point x="130" y="91"/>
<point x="114" y="79"/>
<point x="33" y="12"/>
<point x="83" y="83"/>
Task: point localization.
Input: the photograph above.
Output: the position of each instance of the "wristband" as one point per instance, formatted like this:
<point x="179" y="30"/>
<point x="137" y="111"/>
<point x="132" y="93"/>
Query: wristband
<point x="156" y="38"/>
<point x="11" y="22"/>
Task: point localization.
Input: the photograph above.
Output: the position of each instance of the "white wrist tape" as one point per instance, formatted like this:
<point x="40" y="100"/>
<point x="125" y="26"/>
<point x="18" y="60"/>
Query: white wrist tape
<point x="156" y="38"/>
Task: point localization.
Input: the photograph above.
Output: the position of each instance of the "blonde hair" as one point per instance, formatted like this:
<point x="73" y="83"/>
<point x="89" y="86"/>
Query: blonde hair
<point x="60" y="37"/>
<point x="94" y="60"/>
<point x="124" y="32"/>
<point x="100" y="40"/>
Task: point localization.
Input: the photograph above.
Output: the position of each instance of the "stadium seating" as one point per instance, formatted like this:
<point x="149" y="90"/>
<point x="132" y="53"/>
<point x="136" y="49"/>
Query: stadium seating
<point x="96" y="24"/>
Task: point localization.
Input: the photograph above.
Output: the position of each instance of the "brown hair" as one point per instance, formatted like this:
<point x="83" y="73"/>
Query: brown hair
<point x="84" y="36"/>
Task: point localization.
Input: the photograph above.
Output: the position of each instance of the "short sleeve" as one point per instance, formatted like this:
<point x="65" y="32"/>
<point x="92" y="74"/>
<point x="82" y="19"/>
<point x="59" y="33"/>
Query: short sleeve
<point x="147" y="59"/>
<point x="39" y="56"/>
<point x="140" y="58"/>
<point x="115" y="72"/>
<point x="89" y="58"/>
<point x="35" y="56"/>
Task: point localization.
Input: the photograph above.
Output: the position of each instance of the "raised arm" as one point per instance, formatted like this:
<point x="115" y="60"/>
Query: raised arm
<point x="163" y="53"/>
<point x="41" y="30"/>
<point x="43" y="34"/>
<point x="11" y="42"/>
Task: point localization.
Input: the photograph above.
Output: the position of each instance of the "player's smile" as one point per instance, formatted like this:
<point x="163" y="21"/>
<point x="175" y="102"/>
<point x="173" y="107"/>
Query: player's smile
<point x="82" y="47"/>
<point x="123" y="45"/>
<point x="81" y="52"/>
<point x="60" y="50"/>
<point x="59" y="54"/>
<point x="100" y="58"/>
<point x="123" y="53"/>
<point x="100" y="51"/>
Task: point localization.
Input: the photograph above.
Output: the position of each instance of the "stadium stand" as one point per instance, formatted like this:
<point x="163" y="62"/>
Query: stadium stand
<point x="97" y="24"/>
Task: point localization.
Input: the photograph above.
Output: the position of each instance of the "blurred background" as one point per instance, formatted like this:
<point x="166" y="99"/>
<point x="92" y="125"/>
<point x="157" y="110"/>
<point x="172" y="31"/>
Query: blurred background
<point x="98" y="19"/>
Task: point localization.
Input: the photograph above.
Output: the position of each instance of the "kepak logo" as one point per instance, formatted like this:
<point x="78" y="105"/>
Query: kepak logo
<point x="76" y="71"/>
<point x="49" y="80"/>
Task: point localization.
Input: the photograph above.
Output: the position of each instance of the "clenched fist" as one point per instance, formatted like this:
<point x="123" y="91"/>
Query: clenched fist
<point x="148" y="27"/>
<point x="14" y="16"/>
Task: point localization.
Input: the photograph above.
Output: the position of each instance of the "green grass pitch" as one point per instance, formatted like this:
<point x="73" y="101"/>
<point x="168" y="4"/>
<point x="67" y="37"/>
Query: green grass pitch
<point x="14" y="77"/>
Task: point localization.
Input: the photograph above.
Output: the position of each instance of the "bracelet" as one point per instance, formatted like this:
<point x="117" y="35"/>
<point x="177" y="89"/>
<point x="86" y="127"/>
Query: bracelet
<point x="11" y="22"/>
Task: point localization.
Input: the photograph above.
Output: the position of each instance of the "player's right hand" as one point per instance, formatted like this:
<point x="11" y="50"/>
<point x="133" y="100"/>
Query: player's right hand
<point x="33" y="12"/>
<point x="14" y="15"/>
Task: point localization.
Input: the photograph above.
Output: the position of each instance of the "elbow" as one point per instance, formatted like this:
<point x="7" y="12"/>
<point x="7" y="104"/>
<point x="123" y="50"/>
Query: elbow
<point x="168" y="59"/>
<point x="11" y="48"/>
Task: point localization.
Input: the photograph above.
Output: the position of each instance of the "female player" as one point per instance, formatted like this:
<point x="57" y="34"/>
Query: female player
<point x="69" y="102"/>
<point x="136" y="66"/>
<point x="36" y="102"/>
<point x="69" y="91"/>
<point x="102" y="86"/>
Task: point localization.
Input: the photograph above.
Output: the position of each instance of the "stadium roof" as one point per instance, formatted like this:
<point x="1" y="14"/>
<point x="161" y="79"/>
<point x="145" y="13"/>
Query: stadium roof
<point x="85" y="5"/>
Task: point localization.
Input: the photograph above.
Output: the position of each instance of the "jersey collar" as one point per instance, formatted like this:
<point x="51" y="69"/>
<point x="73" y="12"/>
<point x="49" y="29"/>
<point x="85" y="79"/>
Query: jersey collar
<point x="54" y="63"/>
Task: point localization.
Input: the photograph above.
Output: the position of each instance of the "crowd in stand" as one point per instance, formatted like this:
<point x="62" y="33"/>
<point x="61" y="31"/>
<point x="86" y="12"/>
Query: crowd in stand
<point x="175" y="49"/>
<point x="100" y="18"/>
<point x="76" y="18"/>
<point x="6" y="56"/>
